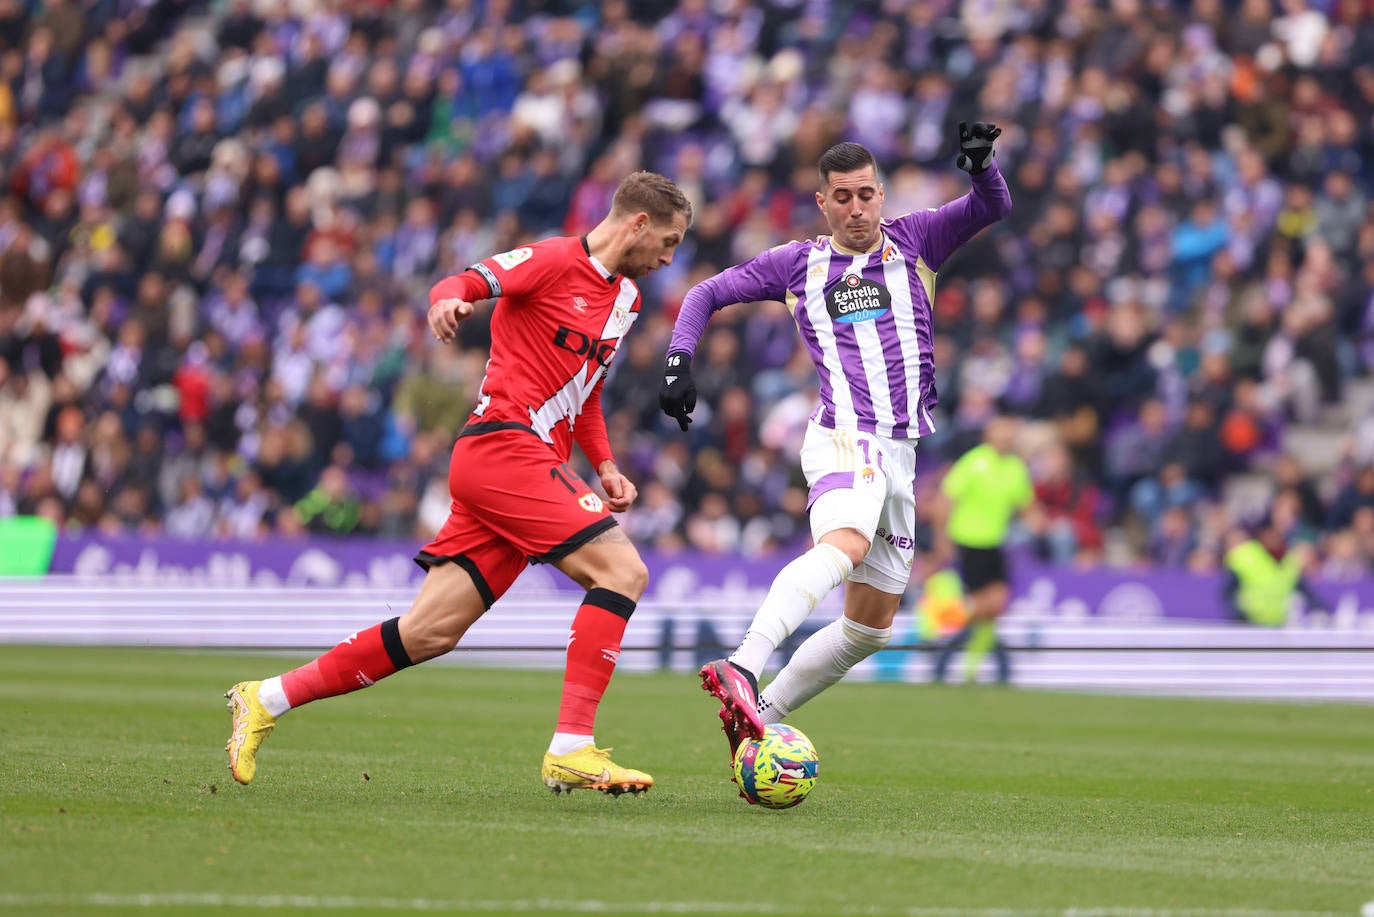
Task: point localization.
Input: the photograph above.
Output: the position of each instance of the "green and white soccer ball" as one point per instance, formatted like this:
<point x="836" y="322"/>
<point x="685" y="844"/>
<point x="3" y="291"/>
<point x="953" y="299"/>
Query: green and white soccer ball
<point x="777" y="771"/>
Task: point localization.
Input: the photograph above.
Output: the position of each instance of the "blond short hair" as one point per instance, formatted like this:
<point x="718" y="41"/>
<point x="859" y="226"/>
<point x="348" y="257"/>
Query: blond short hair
<point x="651" y="193"/>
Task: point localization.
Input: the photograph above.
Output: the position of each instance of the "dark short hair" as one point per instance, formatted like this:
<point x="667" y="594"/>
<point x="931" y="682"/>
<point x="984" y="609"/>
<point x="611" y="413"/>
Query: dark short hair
<point x="651" y="193"/>
<point x="845" y="157"/>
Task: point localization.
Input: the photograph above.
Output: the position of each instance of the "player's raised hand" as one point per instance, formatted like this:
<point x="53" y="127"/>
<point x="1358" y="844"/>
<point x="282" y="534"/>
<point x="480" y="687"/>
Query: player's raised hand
<point x="975" y="145"/>
<point x="620" y="490"/>
<point x="678" y="394"/>
<point x="445" y="316"/>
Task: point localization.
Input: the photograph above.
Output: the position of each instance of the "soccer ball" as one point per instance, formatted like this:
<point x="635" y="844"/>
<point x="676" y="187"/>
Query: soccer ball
<point x="778" y="770"/>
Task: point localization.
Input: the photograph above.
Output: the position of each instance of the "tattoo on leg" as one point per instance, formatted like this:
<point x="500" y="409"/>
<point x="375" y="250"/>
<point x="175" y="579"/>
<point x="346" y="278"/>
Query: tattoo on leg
<point x="613" y="535"/>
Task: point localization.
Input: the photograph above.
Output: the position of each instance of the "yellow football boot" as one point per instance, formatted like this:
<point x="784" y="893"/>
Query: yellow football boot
<point x="591" y="768"/>
<point x="252" y="724"/>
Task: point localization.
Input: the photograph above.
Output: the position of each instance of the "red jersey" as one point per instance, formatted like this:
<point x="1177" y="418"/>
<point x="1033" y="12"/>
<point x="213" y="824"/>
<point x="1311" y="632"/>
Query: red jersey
<point x="557" y="325"/>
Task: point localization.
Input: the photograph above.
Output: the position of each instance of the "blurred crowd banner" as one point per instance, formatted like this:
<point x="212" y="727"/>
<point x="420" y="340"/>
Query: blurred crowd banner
<point x="1145" y="631"/>
<point x="1040" y="590"/>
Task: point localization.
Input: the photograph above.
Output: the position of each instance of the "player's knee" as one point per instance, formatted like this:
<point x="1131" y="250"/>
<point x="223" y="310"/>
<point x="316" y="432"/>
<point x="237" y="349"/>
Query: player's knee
<point x="867" y="638"/>
<point x="882" y="639"/>
<point x="428" y="641"/>
<point x="851" y="542"/>
<point x="441" y="643"/>
<point x="434" y="625"/>
<point x="629" y="577"/>
<point x="634" y="579"/>
<point x="846" y="520"/>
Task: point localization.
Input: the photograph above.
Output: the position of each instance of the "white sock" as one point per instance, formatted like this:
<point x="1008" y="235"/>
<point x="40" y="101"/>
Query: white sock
<point x="565" y="743"/>
<point x="790" y="600"/>
<point x="271" y="696"/>
<point x="818" y="663"/>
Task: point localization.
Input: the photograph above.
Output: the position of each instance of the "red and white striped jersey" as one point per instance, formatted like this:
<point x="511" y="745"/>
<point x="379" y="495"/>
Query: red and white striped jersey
<point x="558" y="324"/>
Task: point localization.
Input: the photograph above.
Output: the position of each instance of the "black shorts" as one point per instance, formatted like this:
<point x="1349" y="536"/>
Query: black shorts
<point x="982" y="567"/>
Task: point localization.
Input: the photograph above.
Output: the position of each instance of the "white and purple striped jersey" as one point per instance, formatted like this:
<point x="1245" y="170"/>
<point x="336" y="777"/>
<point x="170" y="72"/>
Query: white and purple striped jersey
<point x="865" y="317"/>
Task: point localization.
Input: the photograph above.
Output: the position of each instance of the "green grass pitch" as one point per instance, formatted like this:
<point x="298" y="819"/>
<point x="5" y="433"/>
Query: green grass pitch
<point x="422" y="795"/>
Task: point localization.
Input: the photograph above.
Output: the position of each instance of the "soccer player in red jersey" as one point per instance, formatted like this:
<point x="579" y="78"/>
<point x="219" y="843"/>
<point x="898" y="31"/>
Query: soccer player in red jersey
<point x="563" y="307"/>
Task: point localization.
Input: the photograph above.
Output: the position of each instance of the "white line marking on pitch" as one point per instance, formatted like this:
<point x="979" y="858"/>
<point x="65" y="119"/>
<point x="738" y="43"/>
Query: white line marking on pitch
<point x="536" y="905"/>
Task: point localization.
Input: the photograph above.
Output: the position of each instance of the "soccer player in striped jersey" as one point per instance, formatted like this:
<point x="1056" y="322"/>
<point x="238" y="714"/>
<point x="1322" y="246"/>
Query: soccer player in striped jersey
<point x="563" y="308"/>
<point x="862" y="301"/>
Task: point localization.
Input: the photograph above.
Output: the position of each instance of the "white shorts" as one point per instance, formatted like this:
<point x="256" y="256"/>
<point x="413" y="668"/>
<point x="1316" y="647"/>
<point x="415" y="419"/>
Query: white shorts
<point x="865" y="482"/>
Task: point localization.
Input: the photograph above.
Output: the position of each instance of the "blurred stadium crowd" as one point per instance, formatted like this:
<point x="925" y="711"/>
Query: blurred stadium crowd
<point x="220" y="222"/>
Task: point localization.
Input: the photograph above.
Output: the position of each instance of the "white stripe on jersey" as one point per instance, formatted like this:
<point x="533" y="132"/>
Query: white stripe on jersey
<point x="817" y="270"/>
<point x="871" y="351"/>
<point x="567" y="402"/>
<point x="904" y="312"/>
<point x="483" y="397"/>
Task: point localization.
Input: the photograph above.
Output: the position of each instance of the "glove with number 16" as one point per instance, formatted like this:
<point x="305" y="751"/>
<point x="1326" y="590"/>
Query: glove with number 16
<point x="678" y="396"/>
<point x="975" y="145"/>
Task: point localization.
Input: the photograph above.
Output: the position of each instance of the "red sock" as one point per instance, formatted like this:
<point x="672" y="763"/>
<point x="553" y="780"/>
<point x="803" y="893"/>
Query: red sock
<point x="593" y="647"/>
<point x="362" y="660"/>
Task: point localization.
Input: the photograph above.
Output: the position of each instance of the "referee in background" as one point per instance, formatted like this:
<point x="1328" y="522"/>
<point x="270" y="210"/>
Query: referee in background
<point x="981" y="494"/>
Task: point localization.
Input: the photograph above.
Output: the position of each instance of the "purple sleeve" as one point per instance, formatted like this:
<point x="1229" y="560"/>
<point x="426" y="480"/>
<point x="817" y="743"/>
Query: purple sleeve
<point x="937" y="233"/>
<point x="760" y="278"/>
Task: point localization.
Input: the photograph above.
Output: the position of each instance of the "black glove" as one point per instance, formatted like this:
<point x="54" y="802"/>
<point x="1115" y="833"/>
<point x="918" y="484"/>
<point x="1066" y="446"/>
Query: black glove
<point x="975" y="145"/>
<point x="678" y="396"/>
